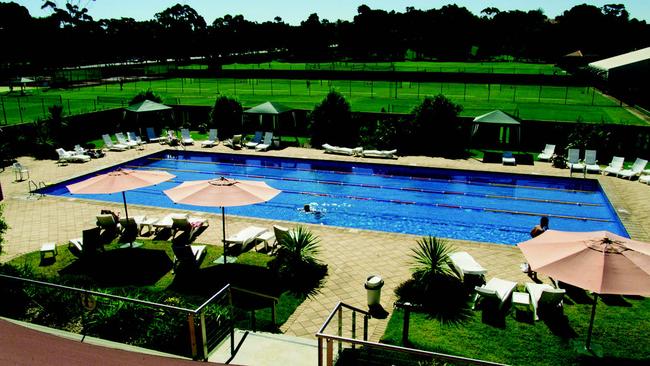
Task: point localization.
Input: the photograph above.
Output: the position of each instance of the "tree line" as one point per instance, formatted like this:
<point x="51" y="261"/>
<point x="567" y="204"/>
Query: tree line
<point x="71" y="36"/>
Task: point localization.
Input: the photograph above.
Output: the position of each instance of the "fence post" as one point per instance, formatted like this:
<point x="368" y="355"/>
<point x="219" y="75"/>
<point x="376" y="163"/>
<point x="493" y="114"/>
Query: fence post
<point x="204" y="337"/>
<point x="190" y="323"/>
<point x="4" y="111"/>
<point x="340" y="328"/>
<point x="320" y="351"/>
<point x="330" y="353"/>
<point x="405" y="326"/>
<point x="365" y="327"/>
<point x="354" y="326"/>
<point x="273" y="319"/>
<point x="20" y="110"/>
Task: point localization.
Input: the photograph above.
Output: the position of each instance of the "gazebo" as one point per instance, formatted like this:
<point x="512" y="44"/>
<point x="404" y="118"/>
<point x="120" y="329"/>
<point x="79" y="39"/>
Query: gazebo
<point x="503" y="121"/>
<point x="146" y="106"/>
<point x="273" y="109"/>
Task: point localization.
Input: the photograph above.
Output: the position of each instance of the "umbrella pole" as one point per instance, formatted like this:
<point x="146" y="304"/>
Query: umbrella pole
<point x="223" y="225"/>
<point x="126" y="212"/>
<point x="591" y="323"/>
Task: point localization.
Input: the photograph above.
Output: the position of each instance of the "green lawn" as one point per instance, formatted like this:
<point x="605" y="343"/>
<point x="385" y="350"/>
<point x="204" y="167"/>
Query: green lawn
<point x="621" y="327"/>
<point x="148" y="268"/>
<point x="422" y="66"/>
<point x="528" y="102"/>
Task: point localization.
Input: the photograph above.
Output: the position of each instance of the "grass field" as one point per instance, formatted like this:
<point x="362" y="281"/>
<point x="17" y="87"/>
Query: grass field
<point x="528" y="102"/>
<point x="408" y="66"/>
<point x="519" y="341"/>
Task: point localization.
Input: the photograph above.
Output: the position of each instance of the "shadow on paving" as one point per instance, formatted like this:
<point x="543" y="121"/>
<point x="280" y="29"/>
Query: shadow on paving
<point x="122" y="267"/>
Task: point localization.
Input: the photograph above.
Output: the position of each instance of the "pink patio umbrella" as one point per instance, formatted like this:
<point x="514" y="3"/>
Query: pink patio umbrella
<point x="120" y="180"/>
<point x="222" y="192"/>
<point x="598" y="261"/>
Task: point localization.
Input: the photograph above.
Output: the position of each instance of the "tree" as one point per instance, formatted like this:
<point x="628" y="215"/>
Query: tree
<point x="331" y="122"/>
<point x="436" y="128"/>
<point x="146" y="95"/>
<point x="225" y="116"/>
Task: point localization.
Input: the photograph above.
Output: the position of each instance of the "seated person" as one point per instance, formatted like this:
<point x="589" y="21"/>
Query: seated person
<point x="116" y="216"/>
<point x="172" y="140"/>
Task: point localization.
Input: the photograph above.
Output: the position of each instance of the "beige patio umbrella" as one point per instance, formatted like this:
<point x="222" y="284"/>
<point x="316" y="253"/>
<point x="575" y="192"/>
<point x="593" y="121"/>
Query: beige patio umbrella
<point x="598" y="261"/>
<point x="120" y="180"/>
<point x="222" y="192"/>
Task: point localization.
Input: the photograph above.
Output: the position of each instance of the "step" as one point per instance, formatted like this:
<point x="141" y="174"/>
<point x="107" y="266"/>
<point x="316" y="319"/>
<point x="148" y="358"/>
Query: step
<point x="261" y="349"/>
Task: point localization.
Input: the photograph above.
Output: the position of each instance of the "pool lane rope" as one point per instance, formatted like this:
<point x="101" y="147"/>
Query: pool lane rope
<point x="364" y="185"/>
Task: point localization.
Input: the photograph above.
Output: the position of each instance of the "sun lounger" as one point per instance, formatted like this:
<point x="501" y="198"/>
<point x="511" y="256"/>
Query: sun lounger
<point x="212" y="139"/>
<point x="186" y="139"/>
<point x="508" y="159"/>
<point x="342" y="150"/>
<point x="547" y="153"/>
<point x="122" y="140"/>
<point x="88" y="244"/>
<point x="107" y="222"/>
<point x="573" y="161"/>
<point x="136" y="222"/>
<point x="132" y="137"/>
<point x="111" y="146"/>
<point x="638" y="166"/>
<point x="188" y="255"/>
<point x="615" y="166"/>
<point x="245" y="236"/>
<point x="386" y="154"/>
<point x="465" y="264"/>
<point x="644" y="179"/>
<point x="591" y="164"/>
<point x="496" y="290"/>
<point x="68" y="157"/>
<point x="187" y="224"/>
<point x="151" y="135"/>
<point x="257" y="139"/>
<point x="266" y="142"/>
<point x="544" y="297"/>
<point x="234" y="142"/>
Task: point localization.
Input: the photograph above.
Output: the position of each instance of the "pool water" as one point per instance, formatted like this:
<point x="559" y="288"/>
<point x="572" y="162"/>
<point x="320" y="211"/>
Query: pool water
<point x="468" y="205"/>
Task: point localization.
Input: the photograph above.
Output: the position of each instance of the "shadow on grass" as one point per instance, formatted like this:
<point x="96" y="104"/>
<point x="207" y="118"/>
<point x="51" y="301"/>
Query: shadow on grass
<point x="559" y="326"/>
<point x="447" y="300"/>
<point x="122" y="267"/>
<point x="615" y="300"/>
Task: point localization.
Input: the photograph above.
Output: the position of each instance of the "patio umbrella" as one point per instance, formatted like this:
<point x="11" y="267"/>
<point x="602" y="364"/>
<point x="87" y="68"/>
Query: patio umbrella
<point x="598" y="261"/>
<point x="221" y="192"/>
<point x="120" y="180"/>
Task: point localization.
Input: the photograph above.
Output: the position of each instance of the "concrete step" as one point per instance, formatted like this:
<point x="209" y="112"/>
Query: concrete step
<point x="267" y="349"/>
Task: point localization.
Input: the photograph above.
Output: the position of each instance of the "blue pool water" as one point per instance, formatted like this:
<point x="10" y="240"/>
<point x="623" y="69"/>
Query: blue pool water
<point x="469" y="205"/>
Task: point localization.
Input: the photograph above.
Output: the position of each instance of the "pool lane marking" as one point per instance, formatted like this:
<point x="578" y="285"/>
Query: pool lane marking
<point x="410" y="189"/>
<point x="504" y="185"/>
<point x="445" y="205"/>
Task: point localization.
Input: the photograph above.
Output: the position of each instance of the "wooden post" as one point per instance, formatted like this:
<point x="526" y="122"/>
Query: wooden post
<point x="320" y="351"/>
<point x="330" y="353"/>
<point x="340" y="328"/>
<point x="354" y="327"/>
<point x="204" y="337"/>
<point x="190" y="323"/>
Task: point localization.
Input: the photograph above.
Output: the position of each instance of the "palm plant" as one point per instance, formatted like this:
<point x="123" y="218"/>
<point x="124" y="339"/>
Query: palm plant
<point x="296" y="261"/>
<point x="431" y="260"/>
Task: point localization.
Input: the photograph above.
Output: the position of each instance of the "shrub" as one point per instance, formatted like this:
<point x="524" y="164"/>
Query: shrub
<point x="436" y="128"/>
<point x="146" y="95"/>
<point x="225" y="116"/>
<point x="296" y="262"/>
<point x="331" y="122"/>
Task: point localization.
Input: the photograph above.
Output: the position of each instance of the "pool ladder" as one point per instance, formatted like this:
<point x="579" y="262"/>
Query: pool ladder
<point x="33" y="187"/>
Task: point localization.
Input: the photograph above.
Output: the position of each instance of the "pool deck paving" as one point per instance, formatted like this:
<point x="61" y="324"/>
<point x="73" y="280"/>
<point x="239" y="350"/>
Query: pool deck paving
<point x="351" y="254"/>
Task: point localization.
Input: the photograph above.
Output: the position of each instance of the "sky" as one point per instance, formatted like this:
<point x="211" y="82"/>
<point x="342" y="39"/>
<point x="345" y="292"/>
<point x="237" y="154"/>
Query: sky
<point x="295" y="11"/>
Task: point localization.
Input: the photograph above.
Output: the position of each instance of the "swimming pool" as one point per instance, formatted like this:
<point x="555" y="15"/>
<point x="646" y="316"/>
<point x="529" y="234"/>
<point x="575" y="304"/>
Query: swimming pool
<point x="469" y="205"/>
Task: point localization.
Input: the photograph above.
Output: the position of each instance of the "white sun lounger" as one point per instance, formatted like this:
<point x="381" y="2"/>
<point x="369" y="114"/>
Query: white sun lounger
<point x="67" y="156"/>
<point x="386" y="154"/>
<point x="544" y="296"/>
<point x="637" y="168"/>
<point x="245" y="236"/>
<point x="257" y="139"/>
<point x="342" y="150"/>
<point x="111" y="146"/>
<point x="186" y="139"/>
<point x="496" y="289"/>
<point x="167" y="222"/>
<point x="465" y="264"/>
<point x="151" y="135"/>
<point x="122" y="140"/>
<point x="615" y="166"/>
<point x="547" y="153"/>
<point x="573" y="161"/>
<point x="266" y="142"/>
<point x="591" y="164"/>
<point x="212" y="139"/>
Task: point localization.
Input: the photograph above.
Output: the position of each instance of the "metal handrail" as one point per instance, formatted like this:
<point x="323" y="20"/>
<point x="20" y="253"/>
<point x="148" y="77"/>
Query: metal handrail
<point x="336" y="309"/>
<point x="191" y="313"/>
<point x="329" y="339"/>
<point x="418" y="352"/>
<point x="275" y="299"/>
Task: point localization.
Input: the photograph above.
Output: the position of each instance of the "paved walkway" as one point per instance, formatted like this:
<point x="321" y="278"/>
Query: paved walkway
<point x="351" y="254"/>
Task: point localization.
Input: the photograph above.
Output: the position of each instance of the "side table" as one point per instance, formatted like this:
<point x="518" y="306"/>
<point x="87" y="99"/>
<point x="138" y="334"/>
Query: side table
<point x="521" y="302"/>
<point x="48" y="248"/>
